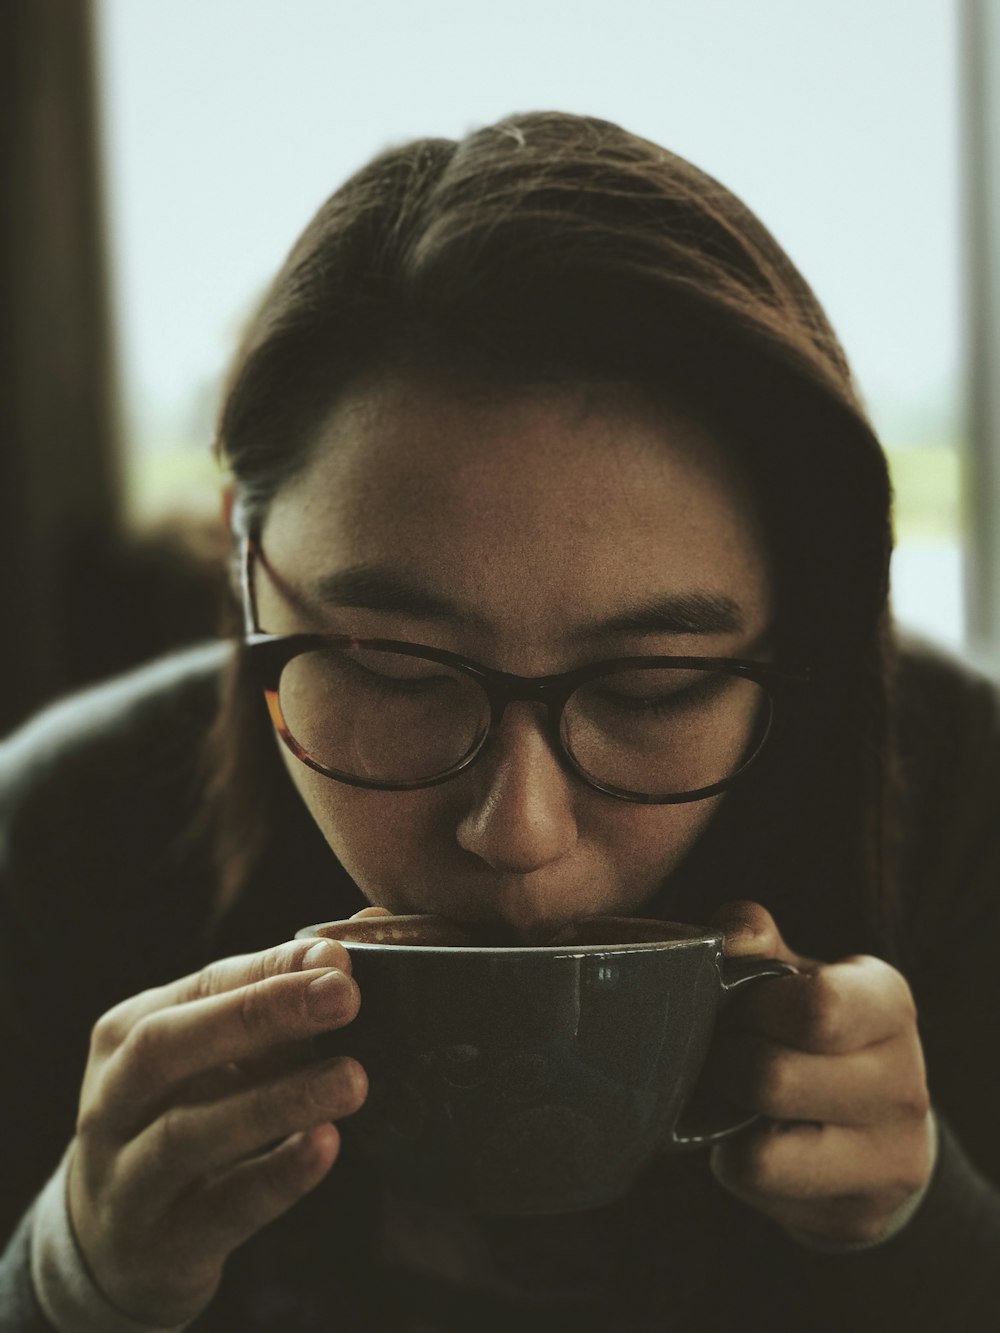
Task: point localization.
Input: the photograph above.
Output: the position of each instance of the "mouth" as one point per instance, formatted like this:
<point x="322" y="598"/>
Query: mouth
<point x="489" y="933"/>
<point x="511" y="912"/>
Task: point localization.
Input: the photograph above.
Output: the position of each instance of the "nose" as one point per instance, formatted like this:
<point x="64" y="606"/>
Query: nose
<point x="521" y="815"/>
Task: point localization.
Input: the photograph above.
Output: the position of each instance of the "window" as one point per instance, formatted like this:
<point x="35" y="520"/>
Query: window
<point x="227" y="123"/>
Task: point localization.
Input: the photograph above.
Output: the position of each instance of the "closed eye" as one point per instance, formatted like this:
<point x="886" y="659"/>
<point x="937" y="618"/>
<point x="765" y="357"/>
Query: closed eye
<point x="683" y="693"/>
<point x="392" y="673"/>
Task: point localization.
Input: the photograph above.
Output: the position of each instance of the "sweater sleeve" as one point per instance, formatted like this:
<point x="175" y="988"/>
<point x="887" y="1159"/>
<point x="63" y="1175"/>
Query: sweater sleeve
<point x="99" y="893"/>
<point x="62" y="1282"/>
<point x="949" y="878"/>
<point x="20" y="1311"/>
<point x="941" y="1270"/>
<point x="939" y="1273"/>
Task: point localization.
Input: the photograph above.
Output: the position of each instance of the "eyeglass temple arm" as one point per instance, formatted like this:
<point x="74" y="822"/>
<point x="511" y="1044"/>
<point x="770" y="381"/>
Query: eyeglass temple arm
<point x="248" y="554"/>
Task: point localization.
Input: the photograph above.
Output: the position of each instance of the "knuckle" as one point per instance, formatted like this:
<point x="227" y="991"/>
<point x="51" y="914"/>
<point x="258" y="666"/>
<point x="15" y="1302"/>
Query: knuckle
<point x="903" y="996"/>
<point x="893" y="986"/>
<point x="210" y="980"/>
<point x="909" y="1180"/>
<point x="89" y="1120"/>
<point x="143" y="1047"/>
<point x="747" y="927"/>
<point x="774" y="1082"/>
<point x="269" y="963"/>
<point x="915" y="1100"/>
<point x="747" y="1165"/>
<point x="171" y="1140"/>
<point x="113" y="1027"/>
<point x="862" y="1224"/>
<point x="108" y="1032"/>
<point x="824" y="1011"/>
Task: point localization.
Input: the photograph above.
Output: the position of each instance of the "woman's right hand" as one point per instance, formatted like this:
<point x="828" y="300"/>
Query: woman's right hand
<point x="203" y="1118"/>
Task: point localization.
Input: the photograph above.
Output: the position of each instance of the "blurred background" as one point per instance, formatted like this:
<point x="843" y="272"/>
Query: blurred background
<point x="158" y="158"/>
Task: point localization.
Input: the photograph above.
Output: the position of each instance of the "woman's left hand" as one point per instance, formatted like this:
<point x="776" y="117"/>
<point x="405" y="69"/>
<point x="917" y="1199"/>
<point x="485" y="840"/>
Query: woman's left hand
<point x="832" y="1059"/>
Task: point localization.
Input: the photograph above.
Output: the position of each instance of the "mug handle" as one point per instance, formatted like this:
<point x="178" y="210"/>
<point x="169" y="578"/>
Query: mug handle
<point x="736" y="974"/>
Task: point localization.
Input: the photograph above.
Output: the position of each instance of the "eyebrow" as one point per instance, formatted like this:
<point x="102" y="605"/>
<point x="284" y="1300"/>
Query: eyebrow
<point x="377" y="588"/>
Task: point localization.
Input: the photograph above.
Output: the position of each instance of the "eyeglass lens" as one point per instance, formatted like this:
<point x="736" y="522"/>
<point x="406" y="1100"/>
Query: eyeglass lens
<point x="390" y="717"/>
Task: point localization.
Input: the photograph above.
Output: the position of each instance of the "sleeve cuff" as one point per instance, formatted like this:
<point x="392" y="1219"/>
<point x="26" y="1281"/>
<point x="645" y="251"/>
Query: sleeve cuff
<point x="63" y="1286"/>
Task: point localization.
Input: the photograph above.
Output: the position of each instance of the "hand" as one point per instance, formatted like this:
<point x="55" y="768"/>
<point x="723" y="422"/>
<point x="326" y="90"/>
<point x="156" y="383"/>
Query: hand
<point x="202" y="1119"/>
<point x="832" y="1058"/>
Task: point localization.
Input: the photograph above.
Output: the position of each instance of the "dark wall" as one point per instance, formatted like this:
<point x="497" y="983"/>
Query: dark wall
<point x="79" y="595"/>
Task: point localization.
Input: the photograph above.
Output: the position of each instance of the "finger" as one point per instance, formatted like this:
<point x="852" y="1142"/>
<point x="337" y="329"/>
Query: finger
<point x="216" y="1083"/>
<point x="832" y="1009"/>
<point x="170" y="1270"/>
<point x="225" y="974"/>
<point x="367" y="912"/>
<point x="233" y="1207"/>
<point x="188" y="1146"/>
<point x="880" y="1084"/>
<point x="750" y="930"/>
<point x="809" y="1163"/>
<point x="170" y="1046"/>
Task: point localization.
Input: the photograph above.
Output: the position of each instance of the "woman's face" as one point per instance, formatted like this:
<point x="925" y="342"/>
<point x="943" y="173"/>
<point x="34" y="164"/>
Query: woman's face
<point x="526" y="529"/>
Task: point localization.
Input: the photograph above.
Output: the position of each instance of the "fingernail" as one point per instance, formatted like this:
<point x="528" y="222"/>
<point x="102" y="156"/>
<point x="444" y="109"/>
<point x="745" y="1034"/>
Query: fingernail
<point x="327" y="995"/>
<point x="321" y="954"/>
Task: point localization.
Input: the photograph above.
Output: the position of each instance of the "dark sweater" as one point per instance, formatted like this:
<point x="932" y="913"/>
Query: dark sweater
<point x="105" y="881"/>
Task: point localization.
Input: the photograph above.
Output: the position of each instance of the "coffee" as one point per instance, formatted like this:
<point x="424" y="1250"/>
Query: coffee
<point x="413" y="930"/>
<point x="437" y="931"/>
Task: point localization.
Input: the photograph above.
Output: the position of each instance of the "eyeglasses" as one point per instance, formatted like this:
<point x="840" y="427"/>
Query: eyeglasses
<point x="398" y="716"/>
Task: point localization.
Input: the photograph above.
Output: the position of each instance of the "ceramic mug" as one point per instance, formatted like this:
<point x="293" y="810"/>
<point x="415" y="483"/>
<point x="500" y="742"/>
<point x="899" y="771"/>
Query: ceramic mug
<point x="532" y="1080"/>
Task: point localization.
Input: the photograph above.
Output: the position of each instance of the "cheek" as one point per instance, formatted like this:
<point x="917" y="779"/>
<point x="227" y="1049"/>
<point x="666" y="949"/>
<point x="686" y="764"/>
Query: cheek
<point x="382" y="839"/>
<point x="650" y="841"/>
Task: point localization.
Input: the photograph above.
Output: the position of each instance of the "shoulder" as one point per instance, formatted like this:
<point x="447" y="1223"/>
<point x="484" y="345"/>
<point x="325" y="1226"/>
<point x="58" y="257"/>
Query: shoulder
<point x="99" y="791"/>
<point x="929" y="667"/>
<point x="946" y="709"/>
<point x="151" y="700"/>
<point x="948" y="823"/>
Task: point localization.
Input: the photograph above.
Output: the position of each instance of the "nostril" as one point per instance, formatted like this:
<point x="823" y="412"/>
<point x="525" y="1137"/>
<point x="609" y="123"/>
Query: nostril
<point x="514" y="845"/>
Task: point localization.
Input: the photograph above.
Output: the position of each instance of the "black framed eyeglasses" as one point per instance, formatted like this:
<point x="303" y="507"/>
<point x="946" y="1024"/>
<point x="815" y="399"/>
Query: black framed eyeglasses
<point x="397" y="716"/>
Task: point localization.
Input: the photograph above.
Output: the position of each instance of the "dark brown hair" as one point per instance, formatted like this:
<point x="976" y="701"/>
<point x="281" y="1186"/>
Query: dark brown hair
<point x="552" y="247"/>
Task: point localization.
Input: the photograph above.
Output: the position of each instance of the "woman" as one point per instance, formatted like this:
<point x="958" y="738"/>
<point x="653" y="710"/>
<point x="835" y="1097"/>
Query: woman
<point x="545" y="398"/>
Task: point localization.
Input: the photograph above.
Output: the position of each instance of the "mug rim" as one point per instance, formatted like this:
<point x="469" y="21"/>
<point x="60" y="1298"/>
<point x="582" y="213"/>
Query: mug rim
<point x="692" y="935"/>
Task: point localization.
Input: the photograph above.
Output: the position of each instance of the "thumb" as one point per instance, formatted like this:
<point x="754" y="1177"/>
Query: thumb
<point x="750" y="930"/>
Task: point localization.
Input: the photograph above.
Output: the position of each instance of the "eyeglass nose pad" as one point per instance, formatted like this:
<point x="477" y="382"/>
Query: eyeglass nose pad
<point x="548" y="712"/>
<point x="500" y="700"/>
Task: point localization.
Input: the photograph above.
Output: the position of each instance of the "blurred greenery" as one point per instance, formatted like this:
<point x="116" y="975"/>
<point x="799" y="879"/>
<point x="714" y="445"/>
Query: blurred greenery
<point x="926" y="480"/>
<point x="182" y="479"/>
<point x="172" y="480"/>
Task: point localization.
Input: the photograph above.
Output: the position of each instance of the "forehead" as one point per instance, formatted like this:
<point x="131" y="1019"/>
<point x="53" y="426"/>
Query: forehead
<point x="536" y="505"/>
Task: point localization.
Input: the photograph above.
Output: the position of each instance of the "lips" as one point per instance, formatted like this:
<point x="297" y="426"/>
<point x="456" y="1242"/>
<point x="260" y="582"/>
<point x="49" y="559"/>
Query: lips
<point x="512" y="909"/>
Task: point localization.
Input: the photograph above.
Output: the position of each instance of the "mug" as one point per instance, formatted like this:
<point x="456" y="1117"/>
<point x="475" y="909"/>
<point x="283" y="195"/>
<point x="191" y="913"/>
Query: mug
<point x="518" y="1080"/>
